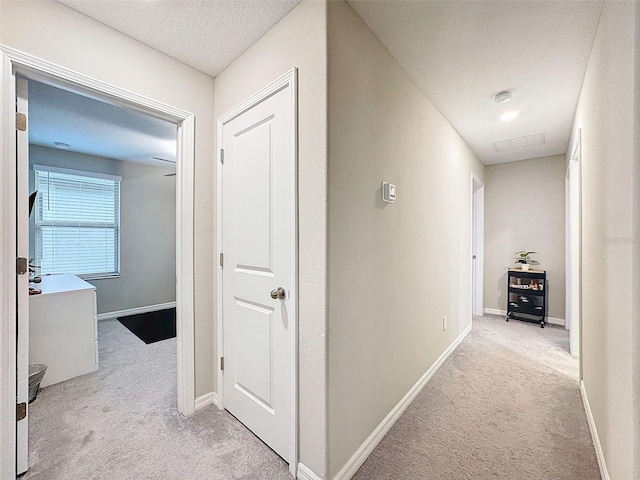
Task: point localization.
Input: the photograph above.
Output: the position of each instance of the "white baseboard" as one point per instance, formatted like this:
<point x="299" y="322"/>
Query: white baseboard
<point x="503" y="313"/>
<point x="205" y="400"/>
<point x="305" y="473"/>
<point x="135" y="311"/>
<point x="594" y="433"/>
<point x="358" y="458"/>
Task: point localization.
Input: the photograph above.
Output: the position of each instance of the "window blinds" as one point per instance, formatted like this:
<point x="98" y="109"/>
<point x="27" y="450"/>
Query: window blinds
<point x="77" y="222"/>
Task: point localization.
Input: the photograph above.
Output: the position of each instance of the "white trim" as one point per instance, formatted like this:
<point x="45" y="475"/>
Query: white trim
<point x="205" y="400"/>
<point x="359" y="457"/>
<point x="289" y="79"/>
<point x="503" y="313"/>
<point x="305" y="473"/>
<point x="72" y="171"/>
<point x="8" y="198"/>
<point x="594" y="433"/>
<point x="15" y="62"/>
<point x="135" y="311"/>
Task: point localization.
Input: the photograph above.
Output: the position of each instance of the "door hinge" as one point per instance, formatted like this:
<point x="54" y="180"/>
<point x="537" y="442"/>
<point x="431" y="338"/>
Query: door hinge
<point x="21" y="122"/>
<point x="222" y="363"/>
<point x="22" y="266"/>
<point x="222" y="156"/>
<point x="222" y="259"/>
<point x="21" y="411"/>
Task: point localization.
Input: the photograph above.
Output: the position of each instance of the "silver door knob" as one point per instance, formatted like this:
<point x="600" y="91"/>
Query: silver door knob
<point x="278" y="293"/>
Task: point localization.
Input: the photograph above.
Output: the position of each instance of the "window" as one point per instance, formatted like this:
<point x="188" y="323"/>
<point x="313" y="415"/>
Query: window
<point x="77" y="222"/>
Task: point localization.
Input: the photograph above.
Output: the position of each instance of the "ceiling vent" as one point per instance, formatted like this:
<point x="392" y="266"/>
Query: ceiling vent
<point x="514" y="143"/>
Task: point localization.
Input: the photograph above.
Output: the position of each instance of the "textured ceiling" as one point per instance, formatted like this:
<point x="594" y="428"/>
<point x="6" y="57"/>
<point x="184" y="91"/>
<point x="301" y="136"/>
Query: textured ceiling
<point x="205" y="34"/>
<point x="462" y="52"/>
<point x="97" y="128"/>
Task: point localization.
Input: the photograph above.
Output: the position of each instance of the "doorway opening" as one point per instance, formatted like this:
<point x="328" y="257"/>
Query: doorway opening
<point x="573" y="246"/>
<point x="14" y="225"/>
<point x="477" y="246"/>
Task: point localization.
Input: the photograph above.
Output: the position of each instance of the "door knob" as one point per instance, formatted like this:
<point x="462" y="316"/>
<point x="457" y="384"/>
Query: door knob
<point x="278" y="293"/>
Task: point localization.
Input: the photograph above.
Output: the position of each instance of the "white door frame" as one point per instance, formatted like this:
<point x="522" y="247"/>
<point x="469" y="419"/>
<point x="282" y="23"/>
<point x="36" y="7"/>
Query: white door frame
<point x="289" y="79"/>
<point x="477" y="244"/>
<point x="573" y="246"/>
<point x="12" y="63"/>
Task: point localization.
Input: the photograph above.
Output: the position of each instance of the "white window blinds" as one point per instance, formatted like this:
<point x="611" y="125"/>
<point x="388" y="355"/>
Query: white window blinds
<point x="77" y="222"/>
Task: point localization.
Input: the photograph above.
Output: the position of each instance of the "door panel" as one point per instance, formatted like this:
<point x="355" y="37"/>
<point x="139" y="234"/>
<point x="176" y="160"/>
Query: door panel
<point x="22" y="347"/>
<point x="257" y="210"/>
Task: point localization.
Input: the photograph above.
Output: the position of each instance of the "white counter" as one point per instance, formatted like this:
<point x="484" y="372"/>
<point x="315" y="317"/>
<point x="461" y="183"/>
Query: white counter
<point x="63" y="327"/>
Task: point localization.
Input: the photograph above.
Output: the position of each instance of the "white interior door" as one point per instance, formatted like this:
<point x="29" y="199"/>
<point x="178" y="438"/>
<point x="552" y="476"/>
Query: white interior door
<point x="477" y="246"/>
<point x="22" y="224"/>
<point x="258" y="242"/>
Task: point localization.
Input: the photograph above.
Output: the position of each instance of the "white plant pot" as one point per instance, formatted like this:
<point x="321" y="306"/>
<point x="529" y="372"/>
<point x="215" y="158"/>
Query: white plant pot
<point x="524" y="267"/>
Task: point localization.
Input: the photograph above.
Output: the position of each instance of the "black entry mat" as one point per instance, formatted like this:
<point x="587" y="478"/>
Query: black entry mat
<point x="153" y="326"/>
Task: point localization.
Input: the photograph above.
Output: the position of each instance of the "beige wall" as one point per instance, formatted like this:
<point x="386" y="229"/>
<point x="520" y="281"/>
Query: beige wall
<point x="394" y="270"/>
<point x="610" y="247"/>
<point x="147" y="228"/>
<point x="56" y="33"/>
<point x="299" y="40"/>
<point x="524" y="210"/>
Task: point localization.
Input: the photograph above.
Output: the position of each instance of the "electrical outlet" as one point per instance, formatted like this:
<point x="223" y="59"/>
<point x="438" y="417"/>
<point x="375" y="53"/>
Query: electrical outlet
<point x="444" y="324"/>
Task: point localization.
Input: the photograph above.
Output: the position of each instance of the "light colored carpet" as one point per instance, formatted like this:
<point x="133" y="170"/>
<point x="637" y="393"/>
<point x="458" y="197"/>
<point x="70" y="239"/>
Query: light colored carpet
<point x="505" y="405"/>
<point x="121" y="423"/>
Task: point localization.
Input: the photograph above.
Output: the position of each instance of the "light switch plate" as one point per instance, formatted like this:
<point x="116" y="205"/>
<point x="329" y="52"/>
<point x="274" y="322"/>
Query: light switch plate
<point x="388" y="192"/>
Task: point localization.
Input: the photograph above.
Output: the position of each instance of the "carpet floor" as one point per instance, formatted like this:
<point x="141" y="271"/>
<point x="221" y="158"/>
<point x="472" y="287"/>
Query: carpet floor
<point x="505" y="405"/>
<point x="121" y="423"/>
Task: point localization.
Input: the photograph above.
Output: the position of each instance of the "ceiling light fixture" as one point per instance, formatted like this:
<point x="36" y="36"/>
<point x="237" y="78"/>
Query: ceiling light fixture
<point x="61" y="145"/>
<point x="508" y="116"/>
<point x="502" y="97"/>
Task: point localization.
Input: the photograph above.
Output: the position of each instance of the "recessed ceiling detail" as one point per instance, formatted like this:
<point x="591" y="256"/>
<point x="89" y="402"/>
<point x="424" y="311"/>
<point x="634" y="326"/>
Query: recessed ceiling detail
<point x="516" y="143"/>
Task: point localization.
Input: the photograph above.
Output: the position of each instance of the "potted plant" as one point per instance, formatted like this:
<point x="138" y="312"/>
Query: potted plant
<point x="524" y="259"/>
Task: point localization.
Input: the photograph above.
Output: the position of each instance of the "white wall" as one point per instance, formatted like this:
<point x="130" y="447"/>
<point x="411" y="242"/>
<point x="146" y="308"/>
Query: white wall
<point x="56" y="33"/>
<point x="524" y="210"/>
<point x="147" y="228"/>
<point x="299" y="40"/>
<point x="607" y="116"/>
<point x="394" y="270"/>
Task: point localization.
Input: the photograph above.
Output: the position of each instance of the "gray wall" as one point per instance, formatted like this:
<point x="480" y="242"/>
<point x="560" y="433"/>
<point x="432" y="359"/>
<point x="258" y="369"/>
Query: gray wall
<point x="51" y="31"/>
<point x="607" y="121"/>
<point x="147" y="229"/>
<point x="394" y="270"/>
<point x="524" y="210"/>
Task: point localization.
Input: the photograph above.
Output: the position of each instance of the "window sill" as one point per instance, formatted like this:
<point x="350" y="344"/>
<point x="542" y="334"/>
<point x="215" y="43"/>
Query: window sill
<point x="98" y="277"/>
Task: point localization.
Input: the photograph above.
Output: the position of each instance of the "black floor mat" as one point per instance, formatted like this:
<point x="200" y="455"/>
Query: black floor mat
<point x="153" y="326"/>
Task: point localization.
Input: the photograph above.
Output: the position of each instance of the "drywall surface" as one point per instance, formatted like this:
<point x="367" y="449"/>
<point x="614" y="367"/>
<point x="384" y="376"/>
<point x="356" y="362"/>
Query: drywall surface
<point x="58" y="34"/>
<point x="524" y="210"/>
<point x="299" y="40"/>
<point x="147" y="228"/>
<point x="605" y="121"/>
<point x="395" y="270"/>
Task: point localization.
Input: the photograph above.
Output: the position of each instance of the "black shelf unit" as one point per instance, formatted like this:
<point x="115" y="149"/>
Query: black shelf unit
<point x="527" y="296"/>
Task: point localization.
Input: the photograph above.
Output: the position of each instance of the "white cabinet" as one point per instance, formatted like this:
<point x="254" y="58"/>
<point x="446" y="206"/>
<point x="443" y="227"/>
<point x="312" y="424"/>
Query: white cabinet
<point x="63" y="327"/>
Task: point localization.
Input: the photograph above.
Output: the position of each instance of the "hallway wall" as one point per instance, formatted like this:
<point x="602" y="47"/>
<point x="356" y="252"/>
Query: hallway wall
<point x="524" y="210"/>
<point x="607" y="122"/>
<point x="394" y="270"/>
